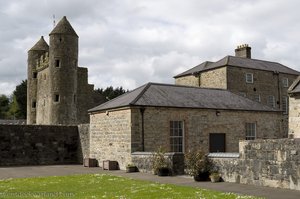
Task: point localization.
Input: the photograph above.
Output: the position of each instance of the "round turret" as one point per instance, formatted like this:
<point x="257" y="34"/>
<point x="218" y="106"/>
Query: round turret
<point x="63" y="56"/>
<point x="34" y="54"/>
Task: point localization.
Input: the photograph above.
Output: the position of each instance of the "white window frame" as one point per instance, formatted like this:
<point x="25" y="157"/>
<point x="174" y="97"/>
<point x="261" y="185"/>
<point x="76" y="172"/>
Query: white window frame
<point x="249" y="78"/>
<point x="285" y="82"/>
<point x="173" y="128"/>
<point x="256" y="97"/>
<point x="285" y="104"/>
<point x="243" y="94"/>
<point x="250" y="133"/>
<point x="271" y="101"/>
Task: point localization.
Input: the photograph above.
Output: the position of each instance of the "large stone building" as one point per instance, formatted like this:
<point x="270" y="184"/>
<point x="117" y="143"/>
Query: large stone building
<point x="177" y="118"/>
<point x="58" y="91"/>
<point x="263" y="81"/>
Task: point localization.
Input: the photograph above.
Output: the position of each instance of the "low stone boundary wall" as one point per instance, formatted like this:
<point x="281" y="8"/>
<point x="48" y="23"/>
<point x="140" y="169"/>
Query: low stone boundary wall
<point x="41" y="144"/>
<point x="273" y="163"/>
<point x="143" y="161"/>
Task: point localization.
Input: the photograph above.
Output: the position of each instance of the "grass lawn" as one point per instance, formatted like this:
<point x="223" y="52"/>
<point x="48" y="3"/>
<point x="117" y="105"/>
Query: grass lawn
<point x="100" y="186"/>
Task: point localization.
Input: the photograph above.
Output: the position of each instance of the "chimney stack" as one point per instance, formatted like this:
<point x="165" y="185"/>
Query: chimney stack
<point x="243" y="51"/>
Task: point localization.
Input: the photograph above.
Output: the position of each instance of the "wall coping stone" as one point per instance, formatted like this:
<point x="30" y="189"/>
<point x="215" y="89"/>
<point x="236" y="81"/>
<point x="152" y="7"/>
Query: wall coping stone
<point x="223" y="155"/>
<point x="151" y="153"/>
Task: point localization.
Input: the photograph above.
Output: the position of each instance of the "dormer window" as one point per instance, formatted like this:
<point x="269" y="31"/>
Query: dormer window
<point x="249" y="78"/>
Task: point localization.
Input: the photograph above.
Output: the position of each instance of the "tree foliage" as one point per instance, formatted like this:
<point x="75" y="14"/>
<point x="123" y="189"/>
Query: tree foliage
<point x="21" y="99"/>
<point x="110" y="92"/>
<point x="4" y="106"/>
<point x="14" y="107"/>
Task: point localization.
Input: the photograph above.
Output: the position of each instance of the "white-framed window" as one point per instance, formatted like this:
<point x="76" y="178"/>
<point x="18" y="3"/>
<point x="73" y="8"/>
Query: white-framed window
<point x="250" y="131"/>
<point x="177" y="136"/>
<point x="242" y="94"/>
<point x="256" y="97"/>
<point x="271" y="101"/>
<point x="249" y="78"/>
<point x="285" y="104"/>
<point x="285" y="82"/>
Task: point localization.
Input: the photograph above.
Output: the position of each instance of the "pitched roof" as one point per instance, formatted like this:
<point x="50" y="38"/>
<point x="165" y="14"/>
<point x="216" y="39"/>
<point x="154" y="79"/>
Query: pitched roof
<point x="63" y="27"/>
<point x="242" y="63"/>
<point x="295" y="87"/>
<point x="40" y="45"/>
<point x="195" y="69"/>
<point x="165" y="95"/>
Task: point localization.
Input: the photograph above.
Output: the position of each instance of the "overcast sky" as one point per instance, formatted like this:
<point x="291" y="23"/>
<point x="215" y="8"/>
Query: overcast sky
<point x="131" y="42"/>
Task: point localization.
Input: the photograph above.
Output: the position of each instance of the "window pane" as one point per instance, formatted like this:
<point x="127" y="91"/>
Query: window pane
<point x="176" y="136"/>
<point x="250" y="131"/>
<point x="249" y="77"/>
<point x="284" y="104"/>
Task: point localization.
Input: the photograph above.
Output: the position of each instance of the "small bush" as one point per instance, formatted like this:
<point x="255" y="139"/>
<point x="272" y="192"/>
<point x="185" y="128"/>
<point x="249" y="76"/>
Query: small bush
<point x="197" y="162"/>
<point x="159" y="161"/>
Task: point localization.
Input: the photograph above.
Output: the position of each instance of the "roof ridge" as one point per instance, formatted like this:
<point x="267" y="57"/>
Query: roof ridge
<point x="205" y="64"/>
<point x="274" y="62"/>
<point x="141" y="93"/>
<point x="227" y="59"/>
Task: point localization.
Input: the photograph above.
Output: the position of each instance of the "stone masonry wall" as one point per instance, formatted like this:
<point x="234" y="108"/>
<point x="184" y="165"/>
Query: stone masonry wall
<point x="110" y="136"/>
<point x="198" y="125"/>
<point x="84" y="141"/>
<point x="294" y="116"/>
<point x="273" y="163"/>
<point x="265" y="84"/>
<point x="214" y="78"/>
<point x="38" y="145"/>
<point x="143" y="161"/>
<point x="189" y="80"/>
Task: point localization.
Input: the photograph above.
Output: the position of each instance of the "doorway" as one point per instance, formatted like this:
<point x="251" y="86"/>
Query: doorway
<point x="217" y="142"/>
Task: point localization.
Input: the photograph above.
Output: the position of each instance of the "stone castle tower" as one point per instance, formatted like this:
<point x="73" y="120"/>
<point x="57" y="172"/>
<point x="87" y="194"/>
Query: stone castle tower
<point x="58" y="91"/>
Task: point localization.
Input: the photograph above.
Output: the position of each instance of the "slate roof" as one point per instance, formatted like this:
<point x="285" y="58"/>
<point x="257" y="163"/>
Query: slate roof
<point x="40" y="45"/>
<point x="63" y="27"/>
<point x="242" y="63"/>
<point x="295" y="87"/>
<point x="166" y="95"/>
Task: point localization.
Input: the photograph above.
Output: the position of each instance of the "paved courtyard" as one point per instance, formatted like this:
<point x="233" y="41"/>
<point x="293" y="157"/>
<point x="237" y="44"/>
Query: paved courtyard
<point x="60" y="170"/>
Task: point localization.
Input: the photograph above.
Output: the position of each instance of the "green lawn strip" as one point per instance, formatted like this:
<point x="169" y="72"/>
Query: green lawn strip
<point x="100" y="186"/>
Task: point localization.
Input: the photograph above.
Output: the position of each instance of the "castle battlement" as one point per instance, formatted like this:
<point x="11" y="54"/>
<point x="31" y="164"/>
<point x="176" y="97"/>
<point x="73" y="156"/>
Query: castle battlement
<point x="58" y="91"/>
<point x="42" y="62"/>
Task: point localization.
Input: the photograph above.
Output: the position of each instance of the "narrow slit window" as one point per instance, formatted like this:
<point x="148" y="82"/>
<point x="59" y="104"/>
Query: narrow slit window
<point x="57" y="63"/>
<point x="34" y="75"/>
<point x="33" y="104"/>
<point x="56" y="98"/>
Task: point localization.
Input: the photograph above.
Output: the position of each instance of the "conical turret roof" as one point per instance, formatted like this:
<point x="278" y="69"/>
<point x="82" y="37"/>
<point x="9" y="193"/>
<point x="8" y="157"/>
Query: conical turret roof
<point x="63" y="27"/>
<point x="40" y="45"/>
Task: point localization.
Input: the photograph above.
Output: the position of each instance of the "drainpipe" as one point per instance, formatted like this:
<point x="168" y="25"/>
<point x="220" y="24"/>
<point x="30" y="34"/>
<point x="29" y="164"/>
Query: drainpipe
<point x="142" y="110"/>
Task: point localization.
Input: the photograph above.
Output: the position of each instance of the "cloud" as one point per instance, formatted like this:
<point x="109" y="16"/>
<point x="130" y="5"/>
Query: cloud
<point x="131" y="42"/>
